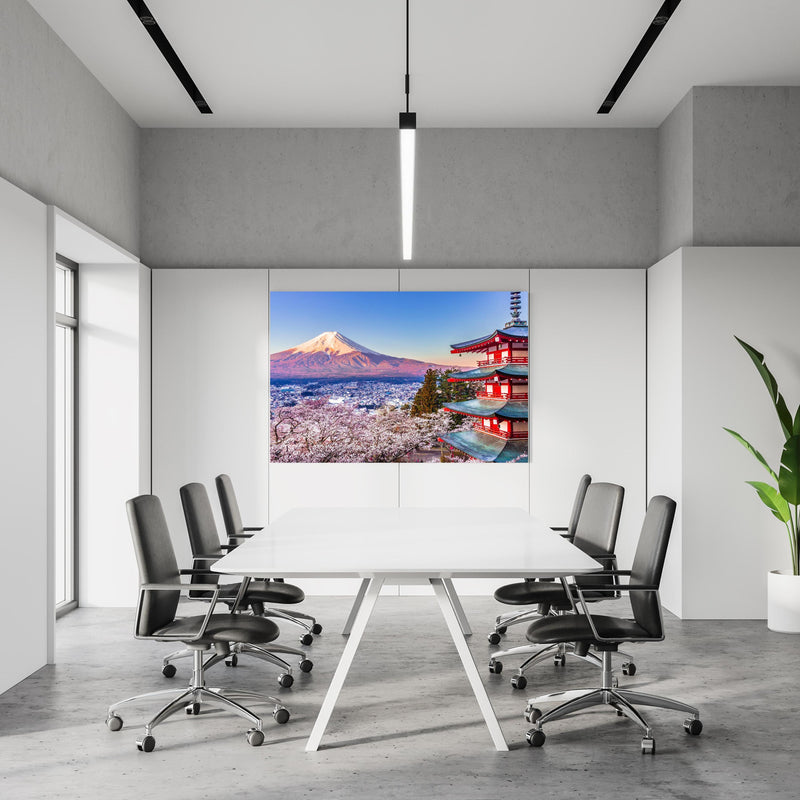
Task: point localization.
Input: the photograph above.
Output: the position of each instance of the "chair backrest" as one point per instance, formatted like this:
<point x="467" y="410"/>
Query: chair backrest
<point x="202" y="529"/>
<point x="155" y="557"/>
<point x="598" y="523"/>
<point x="229" y="506"/>
<point x="648" y="562"/>
<point x="583" y="485"/>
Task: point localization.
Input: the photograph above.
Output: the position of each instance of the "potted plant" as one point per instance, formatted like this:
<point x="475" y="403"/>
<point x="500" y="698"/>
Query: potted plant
<point x="782" y="499"/>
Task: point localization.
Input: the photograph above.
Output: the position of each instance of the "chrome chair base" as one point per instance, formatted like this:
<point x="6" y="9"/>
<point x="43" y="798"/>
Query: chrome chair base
<point x="624" y="701"/>
<point x="559" y="653"/>
<point x="193" y="698"/>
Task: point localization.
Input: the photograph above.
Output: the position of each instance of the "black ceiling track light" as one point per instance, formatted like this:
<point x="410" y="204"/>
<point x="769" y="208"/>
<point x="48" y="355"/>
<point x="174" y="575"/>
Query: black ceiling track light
<point x="162" y="43"/>
<point x="658" y="24"/>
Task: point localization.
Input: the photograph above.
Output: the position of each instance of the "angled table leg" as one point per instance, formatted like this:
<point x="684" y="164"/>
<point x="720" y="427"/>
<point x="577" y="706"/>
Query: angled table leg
<point x="372" y="588"/>
<point x="457" y="607"/>
<point x="451" y="618"/>
<point x="362" y="590"/>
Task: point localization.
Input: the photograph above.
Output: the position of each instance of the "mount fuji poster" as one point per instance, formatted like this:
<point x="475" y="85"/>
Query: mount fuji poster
<point x="398" y="377"/>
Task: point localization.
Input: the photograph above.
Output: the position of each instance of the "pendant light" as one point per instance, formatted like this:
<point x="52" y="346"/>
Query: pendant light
<point x="408" y="131"/>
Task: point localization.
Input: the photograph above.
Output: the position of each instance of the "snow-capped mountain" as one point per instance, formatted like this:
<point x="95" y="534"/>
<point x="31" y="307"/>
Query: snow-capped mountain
<point x="333" y="355"/>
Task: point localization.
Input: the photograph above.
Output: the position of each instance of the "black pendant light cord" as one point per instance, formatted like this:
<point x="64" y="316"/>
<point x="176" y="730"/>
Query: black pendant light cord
<point x="408" y="79"/>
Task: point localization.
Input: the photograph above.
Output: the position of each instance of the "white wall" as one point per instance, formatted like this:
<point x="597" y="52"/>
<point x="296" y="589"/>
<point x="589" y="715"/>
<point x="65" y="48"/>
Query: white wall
<point x="728" y="539"/>
<point x="665" y="409"/>
<point x="113" y="429"/>
<point x="210" y="385"/>
<point x="209" y="334"/>
<point x="25" y="328"/>
<point x="587" y="354"/>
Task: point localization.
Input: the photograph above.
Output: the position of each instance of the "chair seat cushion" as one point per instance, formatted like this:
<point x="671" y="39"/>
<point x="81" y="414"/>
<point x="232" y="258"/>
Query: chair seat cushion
<point x="531" y="593"/>
<point x="223" y="628"/>
<point x="266" y="592"/>
<point x="576" y="628"/>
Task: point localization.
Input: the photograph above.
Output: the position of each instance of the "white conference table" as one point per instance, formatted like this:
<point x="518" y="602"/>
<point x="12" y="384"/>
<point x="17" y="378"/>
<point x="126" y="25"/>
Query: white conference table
<point x="406" y="546"/>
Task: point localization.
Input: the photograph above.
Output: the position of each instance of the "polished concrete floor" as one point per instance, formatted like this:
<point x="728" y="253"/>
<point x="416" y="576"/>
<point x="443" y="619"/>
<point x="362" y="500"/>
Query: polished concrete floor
<point x="407" y="725"/>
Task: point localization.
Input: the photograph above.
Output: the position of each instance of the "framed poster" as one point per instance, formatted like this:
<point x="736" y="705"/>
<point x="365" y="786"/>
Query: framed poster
<point x="398" y="377"/>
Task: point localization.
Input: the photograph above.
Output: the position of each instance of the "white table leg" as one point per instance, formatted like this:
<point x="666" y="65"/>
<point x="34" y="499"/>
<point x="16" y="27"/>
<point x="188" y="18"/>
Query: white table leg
<point x="451" y="618"/>
<point x="457" y="607"/>
<point x="372" y="588"/>
<point x="362" y="590"/>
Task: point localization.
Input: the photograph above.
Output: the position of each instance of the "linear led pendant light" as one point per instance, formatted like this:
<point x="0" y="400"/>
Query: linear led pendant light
<point x="408" y="130"/>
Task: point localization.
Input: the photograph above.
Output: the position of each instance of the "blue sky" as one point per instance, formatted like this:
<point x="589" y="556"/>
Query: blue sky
<point x="418" y="325"/>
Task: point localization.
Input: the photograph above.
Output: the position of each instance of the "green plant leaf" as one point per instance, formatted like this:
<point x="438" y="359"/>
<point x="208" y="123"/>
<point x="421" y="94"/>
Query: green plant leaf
<point x="784" y="417"/>
<point x="789" y="475"/>
<point x="772" y="499"/>
<point x="796" y="426"/>
<point x="758" y="456"/>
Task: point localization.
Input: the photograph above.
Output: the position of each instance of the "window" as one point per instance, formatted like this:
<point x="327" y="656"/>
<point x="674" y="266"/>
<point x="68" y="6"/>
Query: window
<point x="66" y="595"/>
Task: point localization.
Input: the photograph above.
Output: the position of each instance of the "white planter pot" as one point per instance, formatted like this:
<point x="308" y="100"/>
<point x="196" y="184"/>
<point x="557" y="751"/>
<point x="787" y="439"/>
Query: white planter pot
<point x="783" y="601"/>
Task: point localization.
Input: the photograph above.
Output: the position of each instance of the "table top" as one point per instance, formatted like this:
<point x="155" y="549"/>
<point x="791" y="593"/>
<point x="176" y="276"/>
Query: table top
<point x="406" y="543"/>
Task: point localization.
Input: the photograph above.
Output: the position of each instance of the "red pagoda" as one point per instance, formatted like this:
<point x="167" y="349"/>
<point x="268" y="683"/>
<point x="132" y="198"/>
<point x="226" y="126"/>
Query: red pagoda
<point x="500" y="410"/>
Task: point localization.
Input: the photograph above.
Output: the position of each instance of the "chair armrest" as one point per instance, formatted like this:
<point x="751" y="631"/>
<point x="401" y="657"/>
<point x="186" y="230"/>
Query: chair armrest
<point x="254" y="529"/>
<point x="617" y="587"/>
<point x="177" y="587"/>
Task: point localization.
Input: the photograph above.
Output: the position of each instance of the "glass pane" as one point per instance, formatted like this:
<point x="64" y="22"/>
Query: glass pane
<point x="64" y="465"/>
<point x="61" y="281"/>
<point x="65" y="293"/>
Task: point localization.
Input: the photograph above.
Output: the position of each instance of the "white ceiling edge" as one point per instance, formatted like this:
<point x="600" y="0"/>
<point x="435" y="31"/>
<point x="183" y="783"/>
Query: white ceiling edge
<point x="81" y="244"/>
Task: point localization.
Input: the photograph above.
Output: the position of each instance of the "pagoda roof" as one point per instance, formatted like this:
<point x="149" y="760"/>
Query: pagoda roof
<point x="502" y="370"/>
<point x="486" y="408"/>
<point x="488" y="448"/>
<point x="514" y="333"/>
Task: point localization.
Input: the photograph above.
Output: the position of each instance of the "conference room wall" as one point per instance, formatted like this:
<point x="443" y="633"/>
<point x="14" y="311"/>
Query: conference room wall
<point x="26" y="305"/>
<point x="210" y="401"/>
<point x="729" y="540"/>
<point x="209" y="387"/>
<point x="113" y="425"/>
<point x="588" y="391"/>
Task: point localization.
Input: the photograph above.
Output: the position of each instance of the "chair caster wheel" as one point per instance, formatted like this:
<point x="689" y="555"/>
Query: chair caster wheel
<point x="306" y="639"/>
<point x="692" y="726"/>
<point x="114" y="722"/>
<point x="495" y="667"/>
<point x="494" y="637"/>
<point x="146" y="744"/>
<point x="316" y="629"/>
<point x="502" y="629"/>
<point x="255" y="738"/>
<point x="532" y="714"/>
<point x="233" y="661"/>
<point x="285" y="680"/>
<point x="535" y="737"/>
<point x="281" y="715"/>
<point x="306" y="665"/>
<point x="519" y="681"/>
<point x="193" y="709"/>
<point x="629" y="668"/>
<point x="560" y="660"/>
<point x="649" y="745"/>
<point x="169" y="670"/>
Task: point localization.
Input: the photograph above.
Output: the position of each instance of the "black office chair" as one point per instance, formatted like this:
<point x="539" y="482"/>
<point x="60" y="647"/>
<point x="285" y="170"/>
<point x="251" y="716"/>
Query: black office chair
<point x="159" y="594"/>
<point x="237" y="533"/>
<point x="606" y="633"/>
<point x="206" y="549"/>
<point x="515" y="593"/>
<point x="595" y="534"/>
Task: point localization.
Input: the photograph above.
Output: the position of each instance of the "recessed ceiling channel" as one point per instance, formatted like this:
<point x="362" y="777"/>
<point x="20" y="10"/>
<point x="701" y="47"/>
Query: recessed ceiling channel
<point x="653" y="31"/>
<point x="159" y="37"/>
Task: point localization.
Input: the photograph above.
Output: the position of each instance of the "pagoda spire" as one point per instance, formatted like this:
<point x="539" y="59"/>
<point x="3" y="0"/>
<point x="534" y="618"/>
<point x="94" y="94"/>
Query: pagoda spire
<point x="515" y="304"/>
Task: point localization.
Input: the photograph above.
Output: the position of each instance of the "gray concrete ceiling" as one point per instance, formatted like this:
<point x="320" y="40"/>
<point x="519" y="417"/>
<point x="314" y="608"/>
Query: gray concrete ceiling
<point x="505" y="63"/>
